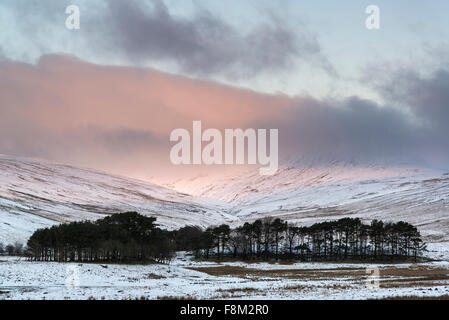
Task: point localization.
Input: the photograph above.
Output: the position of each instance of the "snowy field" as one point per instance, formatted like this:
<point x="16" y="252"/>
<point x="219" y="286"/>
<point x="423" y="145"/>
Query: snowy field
<point x="184" y="278"/>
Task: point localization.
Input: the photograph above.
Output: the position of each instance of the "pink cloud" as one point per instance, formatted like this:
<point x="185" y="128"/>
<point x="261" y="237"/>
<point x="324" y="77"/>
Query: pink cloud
<point x="114" y="118"/>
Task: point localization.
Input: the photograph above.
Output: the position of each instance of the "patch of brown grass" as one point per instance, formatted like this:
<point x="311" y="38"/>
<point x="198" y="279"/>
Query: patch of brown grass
<point x="413" y="277"/>
<point x="443" y="297"/>
<point x="393" y="284"/>
<point x="235" y="290"/>
<point x="418" y="271"/>
<point x="390" y="277"/>
<point x="243" y="272"/>
<point x="155" y="276"/>
<point x="306" y="288"/>
<point x="188" y="297"/>
<point x="219" y="261"/>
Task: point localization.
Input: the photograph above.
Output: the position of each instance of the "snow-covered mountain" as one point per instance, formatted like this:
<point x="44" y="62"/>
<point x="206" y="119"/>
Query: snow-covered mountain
<point x="35" y="194"/>
<point x="309" y="194"/>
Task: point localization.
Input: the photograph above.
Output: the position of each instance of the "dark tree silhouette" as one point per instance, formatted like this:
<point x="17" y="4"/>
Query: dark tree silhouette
<point x="344" y="239"/>
<point x="133" y="237"/>
<point x="117" y="238"/>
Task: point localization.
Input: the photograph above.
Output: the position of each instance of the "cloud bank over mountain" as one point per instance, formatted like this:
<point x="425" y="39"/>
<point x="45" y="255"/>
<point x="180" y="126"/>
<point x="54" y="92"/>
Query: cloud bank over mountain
<point x="119" y="118"/>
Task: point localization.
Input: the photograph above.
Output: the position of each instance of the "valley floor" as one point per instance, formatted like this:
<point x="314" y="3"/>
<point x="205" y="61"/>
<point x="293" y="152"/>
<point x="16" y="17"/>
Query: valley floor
<point x="188" y="279"/>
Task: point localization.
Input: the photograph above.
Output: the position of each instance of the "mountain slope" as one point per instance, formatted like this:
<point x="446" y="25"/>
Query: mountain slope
<point x="310" y="194"/>
<point x="35" y="194"/>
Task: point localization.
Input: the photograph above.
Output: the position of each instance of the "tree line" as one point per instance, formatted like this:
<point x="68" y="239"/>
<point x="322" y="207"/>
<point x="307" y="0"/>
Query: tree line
<point x="269" y="238"/>
<point x="132" y="237"/>
<point x="11" y="249"/>
<point x="124" y="237"/>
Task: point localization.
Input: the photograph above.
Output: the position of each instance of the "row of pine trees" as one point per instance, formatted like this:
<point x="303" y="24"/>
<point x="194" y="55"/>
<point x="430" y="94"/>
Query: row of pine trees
<point x="334" y="240"/>
<point x="125" y="237"/>
<point x="132" y="237"/>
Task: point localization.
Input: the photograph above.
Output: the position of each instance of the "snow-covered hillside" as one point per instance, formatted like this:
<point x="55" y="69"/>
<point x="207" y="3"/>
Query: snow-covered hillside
<point x="35" y="194"/>
<point x="310" y="194"/>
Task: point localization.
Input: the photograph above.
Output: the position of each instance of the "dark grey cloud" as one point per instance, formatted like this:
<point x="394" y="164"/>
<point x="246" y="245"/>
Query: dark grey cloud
<point x="351" y="130"/>
<point x="206" y="44"/>
<point x="411" y="126"/>
<point x="427" y="97"/>
<point x="146" y="32"/>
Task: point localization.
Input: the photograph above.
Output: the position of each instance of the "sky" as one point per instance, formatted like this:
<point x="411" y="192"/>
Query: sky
<point x="107" y="95"/>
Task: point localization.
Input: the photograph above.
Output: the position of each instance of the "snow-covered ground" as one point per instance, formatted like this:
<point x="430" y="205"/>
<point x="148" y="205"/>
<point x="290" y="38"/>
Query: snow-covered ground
<point x="36" y="194"/>
<point x="185" y="278"/>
